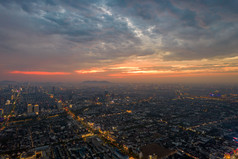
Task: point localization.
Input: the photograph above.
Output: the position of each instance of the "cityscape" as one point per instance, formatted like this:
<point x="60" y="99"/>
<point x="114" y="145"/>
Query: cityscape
<point x="118" y="79"/>
<point x="108" y="120"/>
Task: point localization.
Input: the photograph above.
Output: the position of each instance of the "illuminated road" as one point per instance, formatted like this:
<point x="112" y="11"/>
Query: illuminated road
<point x="6" y="121"/>
<point x="187" y="154"/>
<point x="107" y="115"/>
<point x="104" y="135"/>
<point x="214" y="122"/>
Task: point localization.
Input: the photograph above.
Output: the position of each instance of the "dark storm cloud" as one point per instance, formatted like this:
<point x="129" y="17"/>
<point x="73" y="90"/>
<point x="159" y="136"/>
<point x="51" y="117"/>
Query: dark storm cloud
<point x="189" y="29"/>
<point x="79" y="21"/>
<point x="72" y="34"/>
<point x="56" y="30"/>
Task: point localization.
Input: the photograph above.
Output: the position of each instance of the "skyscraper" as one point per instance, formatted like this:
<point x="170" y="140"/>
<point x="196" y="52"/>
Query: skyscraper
<point x="29" y="108"/>
<point x="36" y="109"/>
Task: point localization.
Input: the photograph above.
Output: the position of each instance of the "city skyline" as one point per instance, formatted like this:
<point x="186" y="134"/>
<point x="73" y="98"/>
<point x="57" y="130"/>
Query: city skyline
<point x="119" y="41"/>
<point x="125" y="121"/>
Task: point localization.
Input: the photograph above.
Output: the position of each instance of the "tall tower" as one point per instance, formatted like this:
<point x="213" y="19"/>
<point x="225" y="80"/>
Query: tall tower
<point x="29" y="108"/>
<point x="36" y="109"/>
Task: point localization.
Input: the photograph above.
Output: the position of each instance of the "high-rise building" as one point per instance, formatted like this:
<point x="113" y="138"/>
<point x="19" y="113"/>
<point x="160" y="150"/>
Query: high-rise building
<point x="36" y="109"/>
<point x="29" y="108"/>
<point x="59" y="105"/>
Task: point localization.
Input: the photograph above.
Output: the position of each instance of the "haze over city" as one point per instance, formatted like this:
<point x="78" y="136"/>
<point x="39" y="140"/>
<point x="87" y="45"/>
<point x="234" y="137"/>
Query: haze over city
<point x="118" y="79"/>
<point x="119" y="41"/>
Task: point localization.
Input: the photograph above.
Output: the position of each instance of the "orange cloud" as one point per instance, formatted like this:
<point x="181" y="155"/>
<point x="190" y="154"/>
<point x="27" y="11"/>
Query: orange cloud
<point x="148" y="72"/>
<point x="89" y="71"/>
<point x="39" y="73"/>
<point x="169" y="73"/>
<point x="124" y="67"/>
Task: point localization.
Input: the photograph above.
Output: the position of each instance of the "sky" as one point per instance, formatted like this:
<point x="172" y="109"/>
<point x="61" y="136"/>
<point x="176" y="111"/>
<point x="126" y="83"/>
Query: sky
<point x="119" y="40"/>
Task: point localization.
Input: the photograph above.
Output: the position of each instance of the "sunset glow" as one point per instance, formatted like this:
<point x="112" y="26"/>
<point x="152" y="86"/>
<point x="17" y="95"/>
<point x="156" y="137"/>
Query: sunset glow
<point x="119" y="41"/>
<point x="118" y="78"/>
<point x="88" y="71"/>
<point x="39" y="73"/>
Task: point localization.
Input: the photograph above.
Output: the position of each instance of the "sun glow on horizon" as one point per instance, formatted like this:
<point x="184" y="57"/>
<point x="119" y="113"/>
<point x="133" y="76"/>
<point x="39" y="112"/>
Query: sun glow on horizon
<point x="39" y="73"/>
<point x="150" y="69"/>
<point x="89" y="71"/>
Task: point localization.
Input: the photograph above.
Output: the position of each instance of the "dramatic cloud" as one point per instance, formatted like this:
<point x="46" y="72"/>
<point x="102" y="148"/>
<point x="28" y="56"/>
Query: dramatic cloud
<point x="114" y="37"/>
